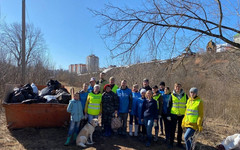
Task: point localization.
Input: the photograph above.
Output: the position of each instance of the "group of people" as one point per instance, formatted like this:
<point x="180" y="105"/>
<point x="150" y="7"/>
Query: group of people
<point x="147" y="108"/>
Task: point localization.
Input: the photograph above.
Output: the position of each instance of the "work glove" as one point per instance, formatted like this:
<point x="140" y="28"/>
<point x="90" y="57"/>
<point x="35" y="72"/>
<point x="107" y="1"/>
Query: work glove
<point x="200" y="128"/>
<point x="169" y="118"/>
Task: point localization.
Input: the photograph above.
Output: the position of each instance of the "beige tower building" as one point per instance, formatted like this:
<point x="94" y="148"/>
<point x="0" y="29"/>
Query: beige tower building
<point x="92" y="63"/>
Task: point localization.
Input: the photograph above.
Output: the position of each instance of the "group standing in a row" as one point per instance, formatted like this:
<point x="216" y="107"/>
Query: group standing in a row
<point x="147" y="108"/>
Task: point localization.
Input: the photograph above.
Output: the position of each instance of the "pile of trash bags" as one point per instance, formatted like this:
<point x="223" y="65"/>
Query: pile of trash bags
<point x="28" y="94"/>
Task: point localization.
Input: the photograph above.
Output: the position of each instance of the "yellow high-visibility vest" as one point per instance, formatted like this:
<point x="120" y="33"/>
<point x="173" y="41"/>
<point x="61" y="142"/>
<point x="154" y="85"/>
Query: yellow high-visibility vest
<point x="178" y="106"/>
<point x="94" y="103"/>
<point x="156" y="99"/>
<point x="192" y="110"/>
<point x="114" y="89"/>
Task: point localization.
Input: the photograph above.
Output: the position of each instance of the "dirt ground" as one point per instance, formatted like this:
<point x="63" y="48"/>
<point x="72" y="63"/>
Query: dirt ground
<point x="54" y="138"/>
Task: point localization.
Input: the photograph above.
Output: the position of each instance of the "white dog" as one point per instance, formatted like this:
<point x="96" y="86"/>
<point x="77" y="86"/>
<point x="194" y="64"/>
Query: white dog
<point x="86" y="132"/>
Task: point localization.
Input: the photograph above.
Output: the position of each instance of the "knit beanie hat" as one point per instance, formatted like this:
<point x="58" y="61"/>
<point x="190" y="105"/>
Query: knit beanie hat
<point x="107" y="85"/>
<point x="193" y="90"/>
<point x="143" y="90"/>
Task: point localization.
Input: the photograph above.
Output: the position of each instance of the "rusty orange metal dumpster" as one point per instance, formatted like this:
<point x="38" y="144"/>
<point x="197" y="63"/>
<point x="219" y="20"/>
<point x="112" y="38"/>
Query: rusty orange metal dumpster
<point x="36" y="115"/>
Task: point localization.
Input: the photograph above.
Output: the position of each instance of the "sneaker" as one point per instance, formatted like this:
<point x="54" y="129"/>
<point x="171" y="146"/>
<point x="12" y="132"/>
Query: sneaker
<point x="148" y="144"/>
<point x="130" y="133"/>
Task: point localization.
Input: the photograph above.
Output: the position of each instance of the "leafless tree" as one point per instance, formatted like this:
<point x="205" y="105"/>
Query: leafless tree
<point x="11" y="36"/>
<point x="164" y="23"/>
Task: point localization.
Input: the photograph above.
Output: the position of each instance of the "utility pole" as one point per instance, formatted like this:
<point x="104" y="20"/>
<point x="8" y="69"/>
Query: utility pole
<point x="23" y="74"/>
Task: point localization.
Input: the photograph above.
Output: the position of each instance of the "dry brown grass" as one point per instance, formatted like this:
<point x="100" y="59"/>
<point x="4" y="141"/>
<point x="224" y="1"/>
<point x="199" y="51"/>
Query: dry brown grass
<point x="53" y="138"/>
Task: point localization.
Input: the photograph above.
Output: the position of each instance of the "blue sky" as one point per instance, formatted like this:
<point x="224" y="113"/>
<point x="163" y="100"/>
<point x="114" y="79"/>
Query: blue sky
<point x="68" y="27"/>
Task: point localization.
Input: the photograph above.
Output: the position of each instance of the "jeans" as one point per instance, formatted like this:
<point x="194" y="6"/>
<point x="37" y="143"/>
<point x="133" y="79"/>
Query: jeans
<point x="74" y="128"/>
<point x="188" y="138"/>
<point x="174" y="121"/>
<point x="91" y="117"/>
<point x="133" y="117"/>
<point x="148" y="124"/>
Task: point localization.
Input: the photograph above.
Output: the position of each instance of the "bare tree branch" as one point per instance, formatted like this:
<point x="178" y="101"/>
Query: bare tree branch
<point x="158" y="19"/>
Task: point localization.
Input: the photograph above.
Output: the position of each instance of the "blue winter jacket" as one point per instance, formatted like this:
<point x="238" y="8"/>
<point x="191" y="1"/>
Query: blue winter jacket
<point x="125" y="99"/>
<point x="135" y="97"/>
<point x="139" y="109"/>
<point x="166" y="98"/>
<point x="75" y="108"/>
<point x="90" y="89"/>
<point x="149" y="109"/>
<point x="83" y="98"/>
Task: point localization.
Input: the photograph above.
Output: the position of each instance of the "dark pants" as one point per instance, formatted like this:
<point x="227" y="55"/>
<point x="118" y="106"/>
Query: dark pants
<point x="174" y="121"/>
<point x="123" y="118"/>
<point x="133" y="117"/>
<point x="142" y="129"/>
<point x="166" y="126"/>
<point x="161" y="124"/>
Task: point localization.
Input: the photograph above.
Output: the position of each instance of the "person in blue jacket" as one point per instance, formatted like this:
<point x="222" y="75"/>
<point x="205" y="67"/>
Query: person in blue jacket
<point x="149" y="115"/>
<point x="83" y="94"/>
<point x="135" y="96"/>
<point x="92" y="82"/>
<point x="142" y="129"/>
<point x="125" y="104"/>
<point x="76" y="110"/>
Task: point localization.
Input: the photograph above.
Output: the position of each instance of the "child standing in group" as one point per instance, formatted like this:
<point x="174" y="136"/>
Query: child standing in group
<point x="75" y="108"/>
<point x="142" y="129"/>
<point x="133" y="116"/>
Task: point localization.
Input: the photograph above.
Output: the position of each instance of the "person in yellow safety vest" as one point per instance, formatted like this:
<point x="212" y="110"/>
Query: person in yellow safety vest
<point x="93" y="106"/>
<point x="102" y="82"/>
<point x="157" y="97"/>
<point x="175" y="113"/>
<point x="114" y="87"/>
<point x="193" y="118"/>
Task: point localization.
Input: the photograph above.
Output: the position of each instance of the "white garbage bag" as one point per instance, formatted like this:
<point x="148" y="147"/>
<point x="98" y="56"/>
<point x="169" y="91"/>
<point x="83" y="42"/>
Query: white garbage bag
<point x="35" y="89"/>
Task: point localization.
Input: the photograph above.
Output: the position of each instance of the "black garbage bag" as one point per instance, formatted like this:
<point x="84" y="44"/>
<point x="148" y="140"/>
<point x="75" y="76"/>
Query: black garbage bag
<point x="64" y="98"/>
<point x="54" y="83"/>
<point x="16" y="96"/>
<point x="49" y="90"/>
<point x="62" y="90"/>
<point x="63" y="95"/>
